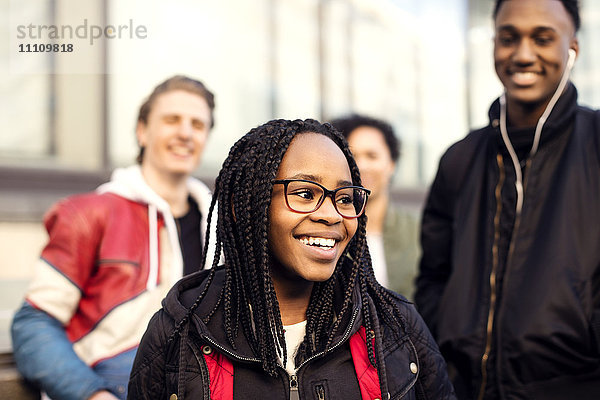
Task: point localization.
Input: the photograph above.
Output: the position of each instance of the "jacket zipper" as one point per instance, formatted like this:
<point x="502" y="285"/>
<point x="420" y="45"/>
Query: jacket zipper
<point x="293" y="378"/>
<point x="346" y="334"/>
<point x="294" y="395"/>
<point x="338" y="344"/>
<point x="224" y="350"/>
<point x="294" y="388"/>
<point x="513" y="237"/>
<point x="493" y="294"/>
<point x="511" y="247"/>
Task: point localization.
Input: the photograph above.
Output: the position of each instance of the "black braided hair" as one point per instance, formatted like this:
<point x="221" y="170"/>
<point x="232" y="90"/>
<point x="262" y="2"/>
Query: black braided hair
<point x="243" y="194"/>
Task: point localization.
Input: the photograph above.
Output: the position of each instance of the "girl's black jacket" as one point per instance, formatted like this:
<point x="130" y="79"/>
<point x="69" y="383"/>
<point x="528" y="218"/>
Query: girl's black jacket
<point x="414" y="368"/>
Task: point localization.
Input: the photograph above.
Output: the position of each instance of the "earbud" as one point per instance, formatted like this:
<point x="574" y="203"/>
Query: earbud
<point x="572" y="56"/>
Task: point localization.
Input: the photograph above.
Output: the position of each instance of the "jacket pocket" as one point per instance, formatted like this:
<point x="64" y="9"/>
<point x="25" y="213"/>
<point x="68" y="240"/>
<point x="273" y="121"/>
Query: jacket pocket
<point x="402" y="369"/>
<point x="321" y="391"/>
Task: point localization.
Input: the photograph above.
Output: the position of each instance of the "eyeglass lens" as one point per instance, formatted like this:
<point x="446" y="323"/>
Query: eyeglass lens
<point x="307" y="197"/>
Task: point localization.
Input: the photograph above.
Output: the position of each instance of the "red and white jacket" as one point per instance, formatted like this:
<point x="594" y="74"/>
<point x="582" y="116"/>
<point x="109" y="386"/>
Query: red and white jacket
<point x="111" y="257"/>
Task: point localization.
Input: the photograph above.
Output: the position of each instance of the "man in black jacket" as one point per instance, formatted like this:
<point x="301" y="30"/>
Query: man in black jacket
<point x="509" y="281"/>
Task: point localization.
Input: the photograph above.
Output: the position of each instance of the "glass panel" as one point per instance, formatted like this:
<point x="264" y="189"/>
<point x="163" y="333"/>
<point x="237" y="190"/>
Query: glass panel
<point x="25" y="96"/>
<point x="223" y="44"/>
<point x="586" y="72"/>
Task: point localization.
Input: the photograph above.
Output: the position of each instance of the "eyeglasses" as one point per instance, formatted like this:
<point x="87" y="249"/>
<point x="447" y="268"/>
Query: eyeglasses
<point x="304" y="197"/>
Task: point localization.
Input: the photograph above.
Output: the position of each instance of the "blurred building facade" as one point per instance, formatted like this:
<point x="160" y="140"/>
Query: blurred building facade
<point x="425" y="66"/>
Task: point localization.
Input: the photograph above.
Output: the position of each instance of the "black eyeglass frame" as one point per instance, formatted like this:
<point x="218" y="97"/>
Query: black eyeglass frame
<point x="326" y="193"/>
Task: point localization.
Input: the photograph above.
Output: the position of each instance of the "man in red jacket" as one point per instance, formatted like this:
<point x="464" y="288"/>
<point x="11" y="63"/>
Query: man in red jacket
<point x="113" y="254"/>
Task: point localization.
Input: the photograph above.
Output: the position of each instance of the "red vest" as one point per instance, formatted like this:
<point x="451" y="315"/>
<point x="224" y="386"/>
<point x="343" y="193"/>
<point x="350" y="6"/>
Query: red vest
<point x="220" y="371"/>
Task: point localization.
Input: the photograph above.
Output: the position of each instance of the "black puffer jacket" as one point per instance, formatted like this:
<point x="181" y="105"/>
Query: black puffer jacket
<point x="535" y="278"/>
<point x="414" y="368"/>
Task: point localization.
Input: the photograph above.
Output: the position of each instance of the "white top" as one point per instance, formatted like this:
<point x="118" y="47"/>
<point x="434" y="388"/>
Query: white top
<point x="375" y="242"/>
<point x="294" y="334"/>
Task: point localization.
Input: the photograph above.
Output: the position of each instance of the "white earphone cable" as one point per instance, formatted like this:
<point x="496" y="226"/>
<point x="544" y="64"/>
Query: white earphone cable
<point x="538" y="128"/>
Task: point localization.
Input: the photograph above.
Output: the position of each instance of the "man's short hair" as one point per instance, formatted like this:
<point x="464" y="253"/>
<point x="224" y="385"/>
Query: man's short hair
<point x="572" y="7"/>
<point x="177" y="82"/>
<point x="346" y="125"/>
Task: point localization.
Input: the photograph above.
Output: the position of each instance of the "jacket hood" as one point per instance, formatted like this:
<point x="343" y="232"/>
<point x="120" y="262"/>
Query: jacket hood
<point x="186" y="291"/>
<point x="129" y="183"/>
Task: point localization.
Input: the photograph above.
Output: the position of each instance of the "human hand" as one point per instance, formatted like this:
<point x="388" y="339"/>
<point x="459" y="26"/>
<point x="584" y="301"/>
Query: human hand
<point x="103" y="395"/>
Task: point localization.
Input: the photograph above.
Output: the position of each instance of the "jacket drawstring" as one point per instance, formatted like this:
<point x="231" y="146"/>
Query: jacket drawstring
<point x="177" y="266"/>
<point x="177" y="256"/>
<point x="153" y="247"/>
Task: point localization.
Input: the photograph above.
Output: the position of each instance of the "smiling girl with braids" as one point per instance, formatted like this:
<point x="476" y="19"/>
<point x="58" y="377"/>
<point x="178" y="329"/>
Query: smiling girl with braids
<point x="296" y="312"/>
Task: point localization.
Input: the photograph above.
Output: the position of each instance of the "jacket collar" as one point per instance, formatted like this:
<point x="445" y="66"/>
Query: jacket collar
<point x="129" y="183"/>
<point x="522" y="138"/>
<point x="185" y="292"/>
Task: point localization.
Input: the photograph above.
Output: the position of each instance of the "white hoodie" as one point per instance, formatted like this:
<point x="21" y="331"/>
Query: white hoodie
<point x="130" y="184"/>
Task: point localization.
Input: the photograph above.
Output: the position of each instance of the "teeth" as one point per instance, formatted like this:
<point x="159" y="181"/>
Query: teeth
<point x="180" y="150"/>
<point x="525" y="78"/>
<point x="316" y="241"/>
<point x="328" y="242"/>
